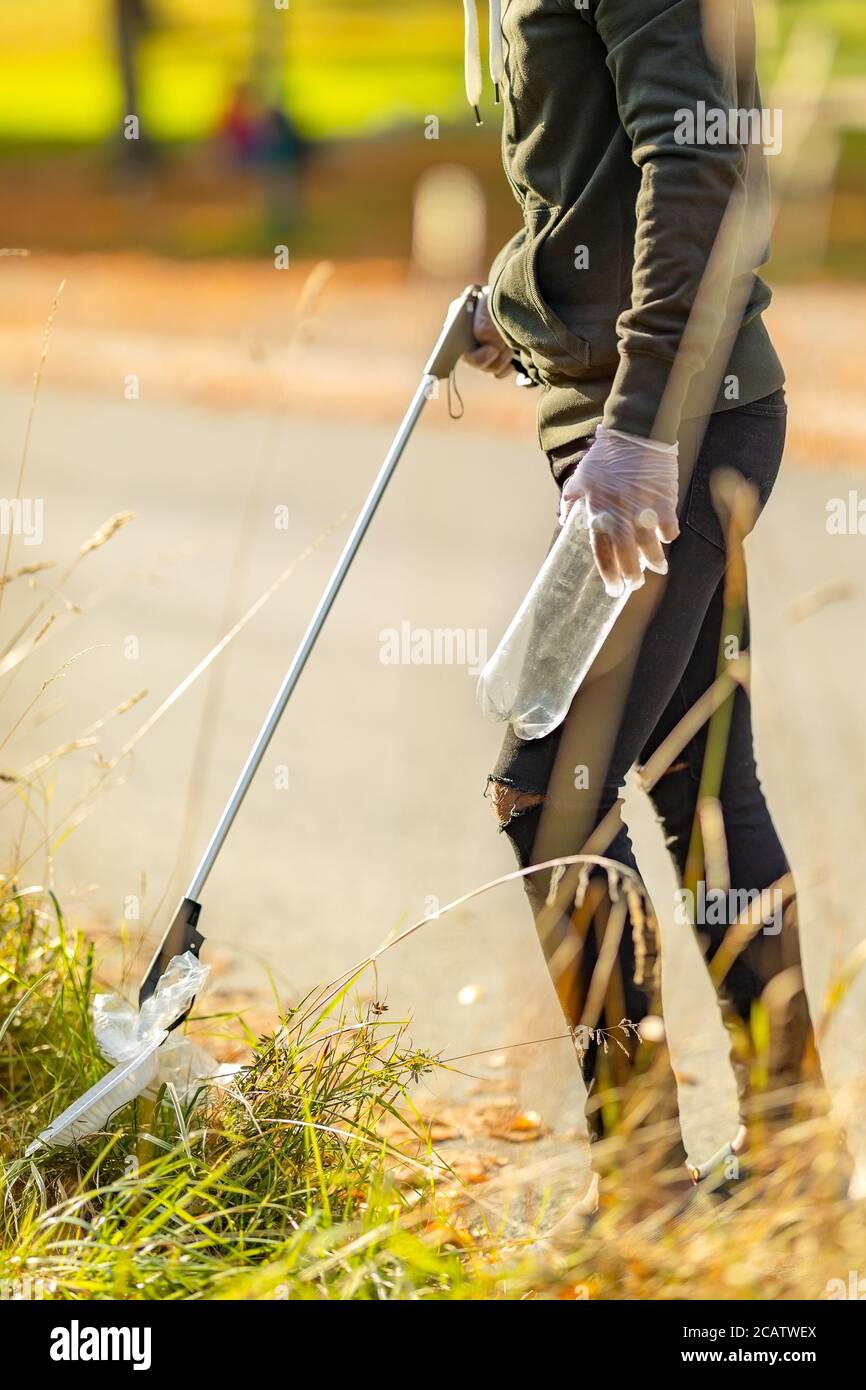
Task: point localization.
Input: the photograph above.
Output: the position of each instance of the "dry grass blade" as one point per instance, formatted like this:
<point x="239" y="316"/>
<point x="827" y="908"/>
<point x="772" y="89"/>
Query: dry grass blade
<point x="76" y="813"/>
<point x="37" y="379"/>
<point x="321" y="1000"/>
<point x="310" y="298"/>
<point x="19" y="654"/>
<point x="86" y="739"/>
<point x="807" y="605"/>
<point x="108" y="529"/>
<point x="57" y="675"/>
<point x="24" y="570"/>
<point x="737" y="673"/>
<point x="100" y="538"/>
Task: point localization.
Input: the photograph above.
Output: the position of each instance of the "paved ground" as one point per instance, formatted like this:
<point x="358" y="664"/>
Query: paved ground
<point x="384" y="813"/>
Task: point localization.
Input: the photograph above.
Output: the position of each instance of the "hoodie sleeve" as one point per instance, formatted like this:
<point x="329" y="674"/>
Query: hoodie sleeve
<point x="690" y="204"/>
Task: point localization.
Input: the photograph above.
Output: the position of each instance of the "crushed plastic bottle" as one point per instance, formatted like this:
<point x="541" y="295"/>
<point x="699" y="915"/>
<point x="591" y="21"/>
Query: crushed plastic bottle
<point x="559" y="629"/>
<point x="122" y="1030"/>
<point x="145" y="1052"/>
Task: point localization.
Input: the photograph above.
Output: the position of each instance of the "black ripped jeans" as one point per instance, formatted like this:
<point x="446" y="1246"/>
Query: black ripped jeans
<point x="673" y="640"/>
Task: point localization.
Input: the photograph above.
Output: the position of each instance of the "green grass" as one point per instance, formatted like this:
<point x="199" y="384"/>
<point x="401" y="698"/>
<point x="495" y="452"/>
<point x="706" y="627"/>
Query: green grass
<point x="283" y="1186"/>
<point x="353" y="68"/>
<point x="279" y="1185"/>
<point x="289" y="1184"/>
<point x="353" y="65"/>
<point x="845" y="18"/>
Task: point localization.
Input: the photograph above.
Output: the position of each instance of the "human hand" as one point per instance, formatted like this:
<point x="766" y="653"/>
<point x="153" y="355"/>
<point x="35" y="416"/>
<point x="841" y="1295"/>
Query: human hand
<point x="492" y="354"/>
<point x="627" y="489"/>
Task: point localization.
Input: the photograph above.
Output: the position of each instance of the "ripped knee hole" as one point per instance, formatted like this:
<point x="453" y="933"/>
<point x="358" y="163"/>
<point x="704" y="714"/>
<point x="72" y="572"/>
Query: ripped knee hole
<point x="510" y="802"/>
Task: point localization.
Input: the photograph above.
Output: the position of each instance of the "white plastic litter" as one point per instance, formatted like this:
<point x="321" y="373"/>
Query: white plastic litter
<point x="90" y="1112"/>
<point x="556" y="634"/>
<point x="147" y="1054"/>
<point x="622" y="499"/>
<point x="121" y="1030"/>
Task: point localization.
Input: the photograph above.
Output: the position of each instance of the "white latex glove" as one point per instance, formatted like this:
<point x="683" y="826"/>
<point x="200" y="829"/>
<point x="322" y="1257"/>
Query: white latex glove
<point x="492" y="353"/>
<point x="627" y="489"/>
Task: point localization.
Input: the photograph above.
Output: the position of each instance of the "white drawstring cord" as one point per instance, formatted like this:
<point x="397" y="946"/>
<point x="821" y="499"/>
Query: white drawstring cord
<point x="497" y="63"/>
<point x="472" y="58"/>
<point x="472" y="53"/>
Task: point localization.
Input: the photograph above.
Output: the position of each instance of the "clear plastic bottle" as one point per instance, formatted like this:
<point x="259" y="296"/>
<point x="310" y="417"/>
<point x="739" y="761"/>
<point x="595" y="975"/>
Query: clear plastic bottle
<point x="559" y="629"/>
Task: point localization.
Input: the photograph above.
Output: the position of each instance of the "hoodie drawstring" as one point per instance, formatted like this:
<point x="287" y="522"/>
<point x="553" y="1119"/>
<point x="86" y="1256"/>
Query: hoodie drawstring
<point x="472" y="53"/>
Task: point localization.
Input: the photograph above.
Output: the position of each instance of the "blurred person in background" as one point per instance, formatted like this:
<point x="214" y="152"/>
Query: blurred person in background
<point x="630" y="296"/>
<point x="256" y="132"/>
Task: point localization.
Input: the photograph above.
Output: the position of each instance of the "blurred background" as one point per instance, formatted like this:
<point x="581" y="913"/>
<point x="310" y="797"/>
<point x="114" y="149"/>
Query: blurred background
<point x="256" y="117"/>
<point x="242" y="224"/>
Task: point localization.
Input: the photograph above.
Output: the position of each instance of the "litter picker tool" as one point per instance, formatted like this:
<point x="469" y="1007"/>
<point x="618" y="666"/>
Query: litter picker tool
<point x="131" y="1077"/>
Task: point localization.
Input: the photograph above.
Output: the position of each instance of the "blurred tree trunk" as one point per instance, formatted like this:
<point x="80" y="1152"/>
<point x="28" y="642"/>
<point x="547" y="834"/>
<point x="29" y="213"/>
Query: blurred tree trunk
<point x="286" y="150"/>
<point x="132" y="19"/>
<point x="268" y="62"/>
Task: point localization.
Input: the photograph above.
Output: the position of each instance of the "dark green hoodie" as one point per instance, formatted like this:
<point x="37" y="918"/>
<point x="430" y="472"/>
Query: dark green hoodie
<point x="630" y="292"/>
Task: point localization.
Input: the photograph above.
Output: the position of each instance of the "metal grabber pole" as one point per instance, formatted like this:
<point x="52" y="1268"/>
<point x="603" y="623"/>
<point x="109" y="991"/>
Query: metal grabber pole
<point x="131" y="1077"/>
<point x="182" y="934"/>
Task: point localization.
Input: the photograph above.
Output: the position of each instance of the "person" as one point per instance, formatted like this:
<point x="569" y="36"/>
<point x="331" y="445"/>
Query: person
<point x="633" y="142"/>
